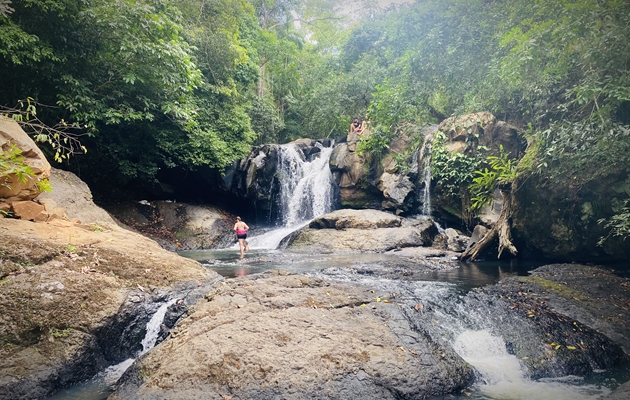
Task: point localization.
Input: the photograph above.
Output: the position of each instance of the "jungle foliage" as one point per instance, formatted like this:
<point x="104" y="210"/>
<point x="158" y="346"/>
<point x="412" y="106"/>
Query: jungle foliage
<point x="192" y="83"/>
<point x="557" y="69"/>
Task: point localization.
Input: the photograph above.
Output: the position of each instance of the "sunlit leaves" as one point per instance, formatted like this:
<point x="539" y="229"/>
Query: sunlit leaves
<point x="13" y="165"/>
<point x="500" y="172"/>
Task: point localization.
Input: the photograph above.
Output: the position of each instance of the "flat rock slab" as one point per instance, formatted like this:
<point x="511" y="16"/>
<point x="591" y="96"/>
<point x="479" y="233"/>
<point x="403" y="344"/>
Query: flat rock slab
<point x="357" y="219"/>
<point x="353" y="240"/>
<point x="278" y="335"/>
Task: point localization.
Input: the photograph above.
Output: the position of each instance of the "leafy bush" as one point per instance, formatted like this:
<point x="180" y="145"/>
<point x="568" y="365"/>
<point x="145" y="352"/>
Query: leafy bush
<point x="453" y="171"/>
<point x="619" y="224"/>
<point x="503" y="171"/>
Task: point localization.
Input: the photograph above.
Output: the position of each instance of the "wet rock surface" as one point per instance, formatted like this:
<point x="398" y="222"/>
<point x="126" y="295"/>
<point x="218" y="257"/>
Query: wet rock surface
<point x="277" y="335"/>
<point x="282" y="335"/>
<point x="564" y="319"/>
<point x="594" y="296"/>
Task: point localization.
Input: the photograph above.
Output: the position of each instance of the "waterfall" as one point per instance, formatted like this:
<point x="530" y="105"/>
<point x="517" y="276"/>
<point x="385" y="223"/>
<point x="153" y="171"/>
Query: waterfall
<point x="306" y="187"/>
<point x="153" y="327"/>
<point x="426" y="192"/>
<point x="114" y="372"/>
<point x="501" y="375"/>
<point x="306" y="191"/>
<point x="100" y="386"/>
<point x="425" y="158"/>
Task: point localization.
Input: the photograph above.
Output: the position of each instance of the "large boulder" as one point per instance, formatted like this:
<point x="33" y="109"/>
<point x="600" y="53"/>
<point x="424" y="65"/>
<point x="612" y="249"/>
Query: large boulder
<point x="177" y="226"/>
<point x="357" y="219"/>
<point x="75" y="196"/>
<point x="482" y="128"/>
<point x="77" y="298"/>
<point x="283" y="336"/>
<point x="356" y="240"/>
<point x="351" y="174"/>
<point x="561" y="219"/>
<point x="362" y="231"/>
<point x="396" y="188"/>
<point x="11" y="188"/>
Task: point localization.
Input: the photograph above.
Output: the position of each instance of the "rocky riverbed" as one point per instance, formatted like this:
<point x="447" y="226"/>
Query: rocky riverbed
<point x="369" y="331"/>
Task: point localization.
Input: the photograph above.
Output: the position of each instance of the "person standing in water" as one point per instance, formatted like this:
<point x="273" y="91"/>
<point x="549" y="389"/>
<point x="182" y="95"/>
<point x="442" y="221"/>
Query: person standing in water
<point x="241" y="229"/>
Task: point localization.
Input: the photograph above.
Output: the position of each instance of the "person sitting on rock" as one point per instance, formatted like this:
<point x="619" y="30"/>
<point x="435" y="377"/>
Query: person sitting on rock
<point x="356" y="127"/>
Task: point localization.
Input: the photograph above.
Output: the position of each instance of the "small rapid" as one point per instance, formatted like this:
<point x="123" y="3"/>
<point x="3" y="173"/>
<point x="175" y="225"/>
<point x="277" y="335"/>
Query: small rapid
<point x="99" y="387"/>
<point x="500" y="375"/>
<point x="455" y="320"/>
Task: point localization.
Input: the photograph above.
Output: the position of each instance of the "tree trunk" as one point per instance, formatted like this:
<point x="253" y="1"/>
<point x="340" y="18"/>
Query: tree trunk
<point x="261" y="81"/>
<point x="501" y="229"/>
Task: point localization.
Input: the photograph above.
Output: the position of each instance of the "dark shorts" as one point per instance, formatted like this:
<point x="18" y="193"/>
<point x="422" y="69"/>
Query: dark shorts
<point x="243" y="236"/>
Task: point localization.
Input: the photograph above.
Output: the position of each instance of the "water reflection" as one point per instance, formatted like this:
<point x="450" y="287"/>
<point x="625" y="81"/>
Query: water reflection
<point x="465" y="275"/>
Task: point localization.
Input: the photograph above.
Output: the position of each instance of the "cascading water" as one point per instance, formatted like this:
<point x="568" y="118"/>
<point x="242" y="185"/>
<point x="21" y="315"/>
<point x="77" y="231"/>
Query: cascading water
<point x="426" y="192"/>
<point x="306" y="188"/>
<point x="425" y="158"/>
<point x="113" y="373"/>
<point x="99" y="386"/>
<point x="454" y="321"/>
<point x="306" y="191"/>
<point x="501" y="375"/>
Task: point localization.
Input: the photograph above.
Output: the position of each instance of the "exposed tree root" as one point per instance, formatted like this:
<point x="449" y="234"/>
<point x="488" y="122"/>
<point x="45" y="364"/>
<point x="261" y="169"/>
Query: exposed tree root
<point x="500" y="230"/>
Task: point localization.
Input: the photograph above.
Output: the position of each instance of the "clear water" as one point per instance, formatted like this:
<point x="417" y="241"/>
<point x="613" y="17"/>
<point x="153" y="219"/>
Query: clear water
<point x="466" y="276"/>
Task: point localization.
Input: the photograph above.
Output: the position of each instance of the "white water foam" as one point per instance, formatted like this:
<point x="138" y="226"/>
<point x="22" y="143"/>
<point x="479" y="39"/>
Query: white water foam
<point x="271" y="240"/>
<point x="306" y="192"/>
<point x="114" y="372"/>
<point x="153" y="327"/>
<point x="503" y="377"/>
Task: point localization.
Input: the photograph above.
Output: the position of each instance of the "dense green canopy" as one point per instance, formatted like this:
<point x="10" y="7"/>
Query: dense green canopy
<point x="191" y="83"/>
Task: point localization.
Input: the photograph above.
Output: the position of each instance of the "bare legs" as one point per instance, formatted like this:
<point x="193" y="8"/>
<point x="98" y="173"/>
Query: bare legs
<point x="243" y="246"/>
